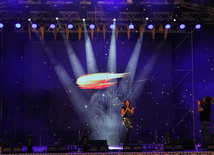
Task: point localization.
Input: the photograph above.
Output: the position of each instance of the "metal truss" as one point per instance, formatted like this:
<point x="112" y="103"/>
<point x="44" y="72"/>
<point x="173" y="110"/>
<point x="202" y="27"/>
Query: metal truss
<point x="100" y="16"/>
<point x="188" y="12"/>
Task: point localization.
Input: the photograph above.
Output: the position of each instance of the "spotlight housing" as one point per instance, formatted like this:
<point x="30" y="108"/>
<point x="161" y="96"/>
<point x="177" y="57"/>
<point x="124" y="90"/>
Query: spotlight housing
<point x="34" y="26"/>
<point x="70" y="26"/>
<point x="167" y="26"/>
<point x="198" y="26"/>
<point x="112" y="26"/>
<point x="182" y="26"/>
<point x="131" y="26"/>
<point x="18" y="25"/>
<point x="92" y="26"/>
<point x="52" y="26"/>
<point x="150" y="26"/>
<point x="1" y="25"/>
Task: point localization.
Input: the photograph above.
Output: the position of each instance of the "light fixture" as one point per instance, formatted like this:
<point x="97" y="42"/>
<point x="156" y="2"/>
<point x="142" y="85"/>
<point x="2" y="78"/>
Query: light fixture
<point x="92" y="26"/>
<point x="131" y="26"/>
<point x="112" y="26"/>
<point x="182" y="26"/>
<point x="167" y="26"/>
<point x="150" y="26"/>
<point x="1" y="25"/>
<point x="34" y="26"/>
<point x="70" y="26"/>
<point x="198" y="26"/>
<point x="18" y="25"/>
<point x="52" y="26"/>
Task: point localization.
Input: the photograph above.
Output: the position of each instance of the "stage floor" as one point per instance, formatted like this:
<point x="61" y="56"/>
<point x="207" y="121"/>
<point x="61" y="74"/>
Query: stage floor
<point x="112" y="150"/>
<point x="127" y="153"/>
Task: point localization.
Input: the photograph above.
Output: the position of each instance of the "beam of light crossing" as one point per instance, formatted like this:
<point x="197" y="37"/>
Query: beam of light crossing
<point x="91" y="62"/>
<point x="75" y="63"/>
<point x="112" y="65"/>
<point x="75" y="95"/>
<point x="138" y="87"/>
<point x="125" y="85"/>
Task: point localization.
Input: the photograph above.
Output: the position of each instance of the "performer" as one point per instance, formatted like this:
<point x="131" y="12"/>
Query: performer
<point x="204" y="107"/>
<point x="127" y="111"/>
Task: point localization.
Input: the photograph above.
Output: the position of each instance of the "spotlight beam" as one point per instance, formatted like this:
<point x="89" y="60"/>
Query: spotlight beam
<point x="145" y="73"/>
<point x="75" y="63"/>
<point x="73" y="93"/>
<point x="125" y="85"/>
<point x="91" y="62"/>
<point x="112" y="65"/>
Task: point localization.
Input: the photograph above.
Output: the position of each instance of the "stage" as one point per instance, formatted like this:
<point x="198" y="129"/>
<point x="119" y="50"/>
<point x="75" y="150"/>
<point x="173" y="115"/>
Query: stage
<point x="111" y="150"/>
<point x="132" y="153"/>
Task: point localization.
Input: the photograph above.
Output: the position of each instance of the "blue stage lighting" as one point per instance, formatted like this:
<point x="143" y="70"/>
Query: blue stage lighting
<point x="131" y="26"/>
<point x="167" y="26"/>
<point x="34" y="26"/>
<point x="18" y="25"/>
<point x="70" y="26"/>
<point x="198" y="26"/>
<point x="91" y="26"/>
<point x="52" y="26"/>
<point x="1" y="25"/>
<point x="182" y="26"/>
<point x="112" y="26"/>
<point x="150" y="26"/>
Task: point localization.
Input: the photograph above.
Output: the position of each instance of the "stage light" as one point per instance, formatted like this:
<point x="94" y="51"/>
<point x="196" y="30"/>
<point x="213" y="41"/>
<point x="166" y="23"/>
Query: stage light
<point x="112" y="26"/>
<point x="150" y="26"/>
<point x="174" y="20"/>
<point x="70" y="26"/>
<point x="83" y="19"/>
<point x="52" y="26"/>
<point x="57" y="18"/>
<point x="147" y="18"/>
<point x="34" y="26"/>
<point x="182" y="26"/>
<point x="114" y="19"/>
<point x="92" y="26"/>
<point x="29" y="19"/>
<point x="167" y="26"/>
<point x="18" y="25"/>
<point x="131" y="26"/>
<point x="198" y="26"/>
<point x="1" y="25"/>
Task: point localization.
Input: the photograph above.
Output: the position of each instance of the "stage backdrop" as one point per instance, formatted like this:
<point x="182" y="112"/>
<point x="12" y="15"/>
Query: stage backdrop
<point x="55" y="103"/>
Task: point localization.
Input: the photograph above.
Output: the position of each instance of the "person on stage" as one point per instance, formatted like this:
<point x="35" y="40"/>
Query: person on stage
<point x="204" y="107"/>
<point x="127" y="111"/>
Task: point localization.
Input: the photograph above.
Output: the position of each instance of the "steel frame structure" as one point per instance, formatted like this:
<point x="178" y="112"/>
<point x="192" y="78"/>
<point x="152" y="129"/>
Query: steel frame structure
<point x="190" y="13"/>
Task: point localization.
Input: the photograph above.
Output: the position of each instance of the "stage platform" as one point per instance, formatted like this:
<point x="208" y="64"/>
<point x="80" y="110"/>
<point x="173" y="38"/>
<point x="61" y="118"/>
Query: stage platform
<point x="126" y="153"/>
<point x="111" y="150"/>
